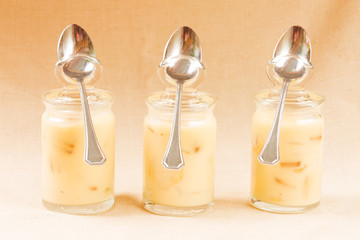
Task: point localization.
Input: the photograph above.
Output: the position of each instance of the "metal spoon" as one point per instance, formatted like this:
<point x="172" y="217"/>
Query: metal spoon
<point x="76" y="50"/>
<point x="74" y="40"/>
<point x="79" y="69"/>
<point x="183" y="42"/>
<point x="291" y="56"/>
<point x="182" y="59"/>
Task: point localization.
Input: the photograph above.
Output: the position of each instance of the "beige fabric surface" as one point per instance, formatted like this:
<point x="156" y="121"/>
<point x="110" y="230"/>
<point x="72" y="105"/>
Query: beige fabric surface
<point x="238" y="38"/>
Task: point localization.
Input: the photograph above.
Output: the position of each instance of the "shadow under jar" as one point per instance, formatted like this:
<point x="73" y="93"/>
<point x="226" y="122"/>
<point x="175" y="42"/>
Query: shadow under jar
<point x="69" y="184"/>
<point x="190" y="189"/>
<point x="292" y="185"/>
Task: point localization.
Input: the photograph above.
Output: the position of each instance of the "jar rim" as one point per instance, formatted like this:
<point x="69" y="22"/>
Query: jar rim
<point x="295" y="98"/>
<point x="191" y="100"/>
<point x="71" y="96"/>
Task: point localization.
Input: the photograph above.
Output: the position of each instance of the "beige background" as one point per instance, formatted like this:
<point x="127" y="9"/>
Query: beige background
<point x="238" y="38"/>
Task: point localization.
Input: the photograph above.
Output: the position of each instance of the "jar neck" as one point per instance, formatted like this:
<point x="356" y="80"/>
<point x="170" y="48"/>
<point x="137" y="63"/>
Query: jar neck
<point x="289" y="109"/>
<point x="296" y="99"/>
<point x="75" y="110"/>
<point x="191" y="101"/>
<point x="68" y="101"/>
<point x="186" y="116"/>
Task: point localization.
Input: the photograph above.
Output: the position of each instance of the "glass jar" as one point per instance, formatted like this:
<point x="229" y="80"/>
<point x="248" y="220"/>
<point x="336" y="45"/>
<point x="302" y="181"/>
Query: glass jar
<point x="189" y="190"/>
<point x="294" y="183"/>
<point x="69" y="184"/>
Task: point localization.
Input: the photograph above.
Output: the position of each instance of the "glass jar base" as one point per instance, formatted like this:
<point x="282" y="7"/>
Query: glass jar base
<point x="80" y="209"/>
<point x="269" y="207"/>
<point x="176" y="211"/>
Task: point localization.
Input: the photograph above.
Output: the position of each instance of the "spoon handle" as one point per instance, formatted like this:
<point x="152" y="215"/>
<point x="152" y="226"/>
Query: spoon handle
<point x="173" y="158"/>
<point x="93" y="153"/>
<point x="270" y="152"/>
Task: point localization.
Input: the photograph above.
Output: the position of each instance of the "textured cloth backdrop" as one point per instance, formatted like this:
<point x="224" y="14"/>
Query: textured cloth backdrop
<point x="238" y="38"/>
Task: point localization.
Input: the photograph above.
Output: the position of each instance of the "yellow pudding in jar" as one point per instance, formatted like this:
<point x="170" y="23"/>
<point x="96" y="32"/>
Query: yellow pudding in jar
<point x="67" y="178"/>
<point x="295" y="181"/>
<point x="192" y="185"/>
<point x="190" y="189"/>
<point x="69" y="184"/>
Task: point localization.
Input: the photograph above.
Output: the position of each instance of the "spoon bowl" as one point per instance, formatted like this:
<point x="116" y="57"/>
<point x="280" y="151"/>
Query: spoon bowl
<point x="183" y="48"/>
<point x="294" y="42"/>
<point x="290" y="68"/>
<point x="79" y="68"/>
<point x="74" y="40"/>
<point x="183" y="42"/>
<point x="75" y="43"/>
<point x="182" y="70"/>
